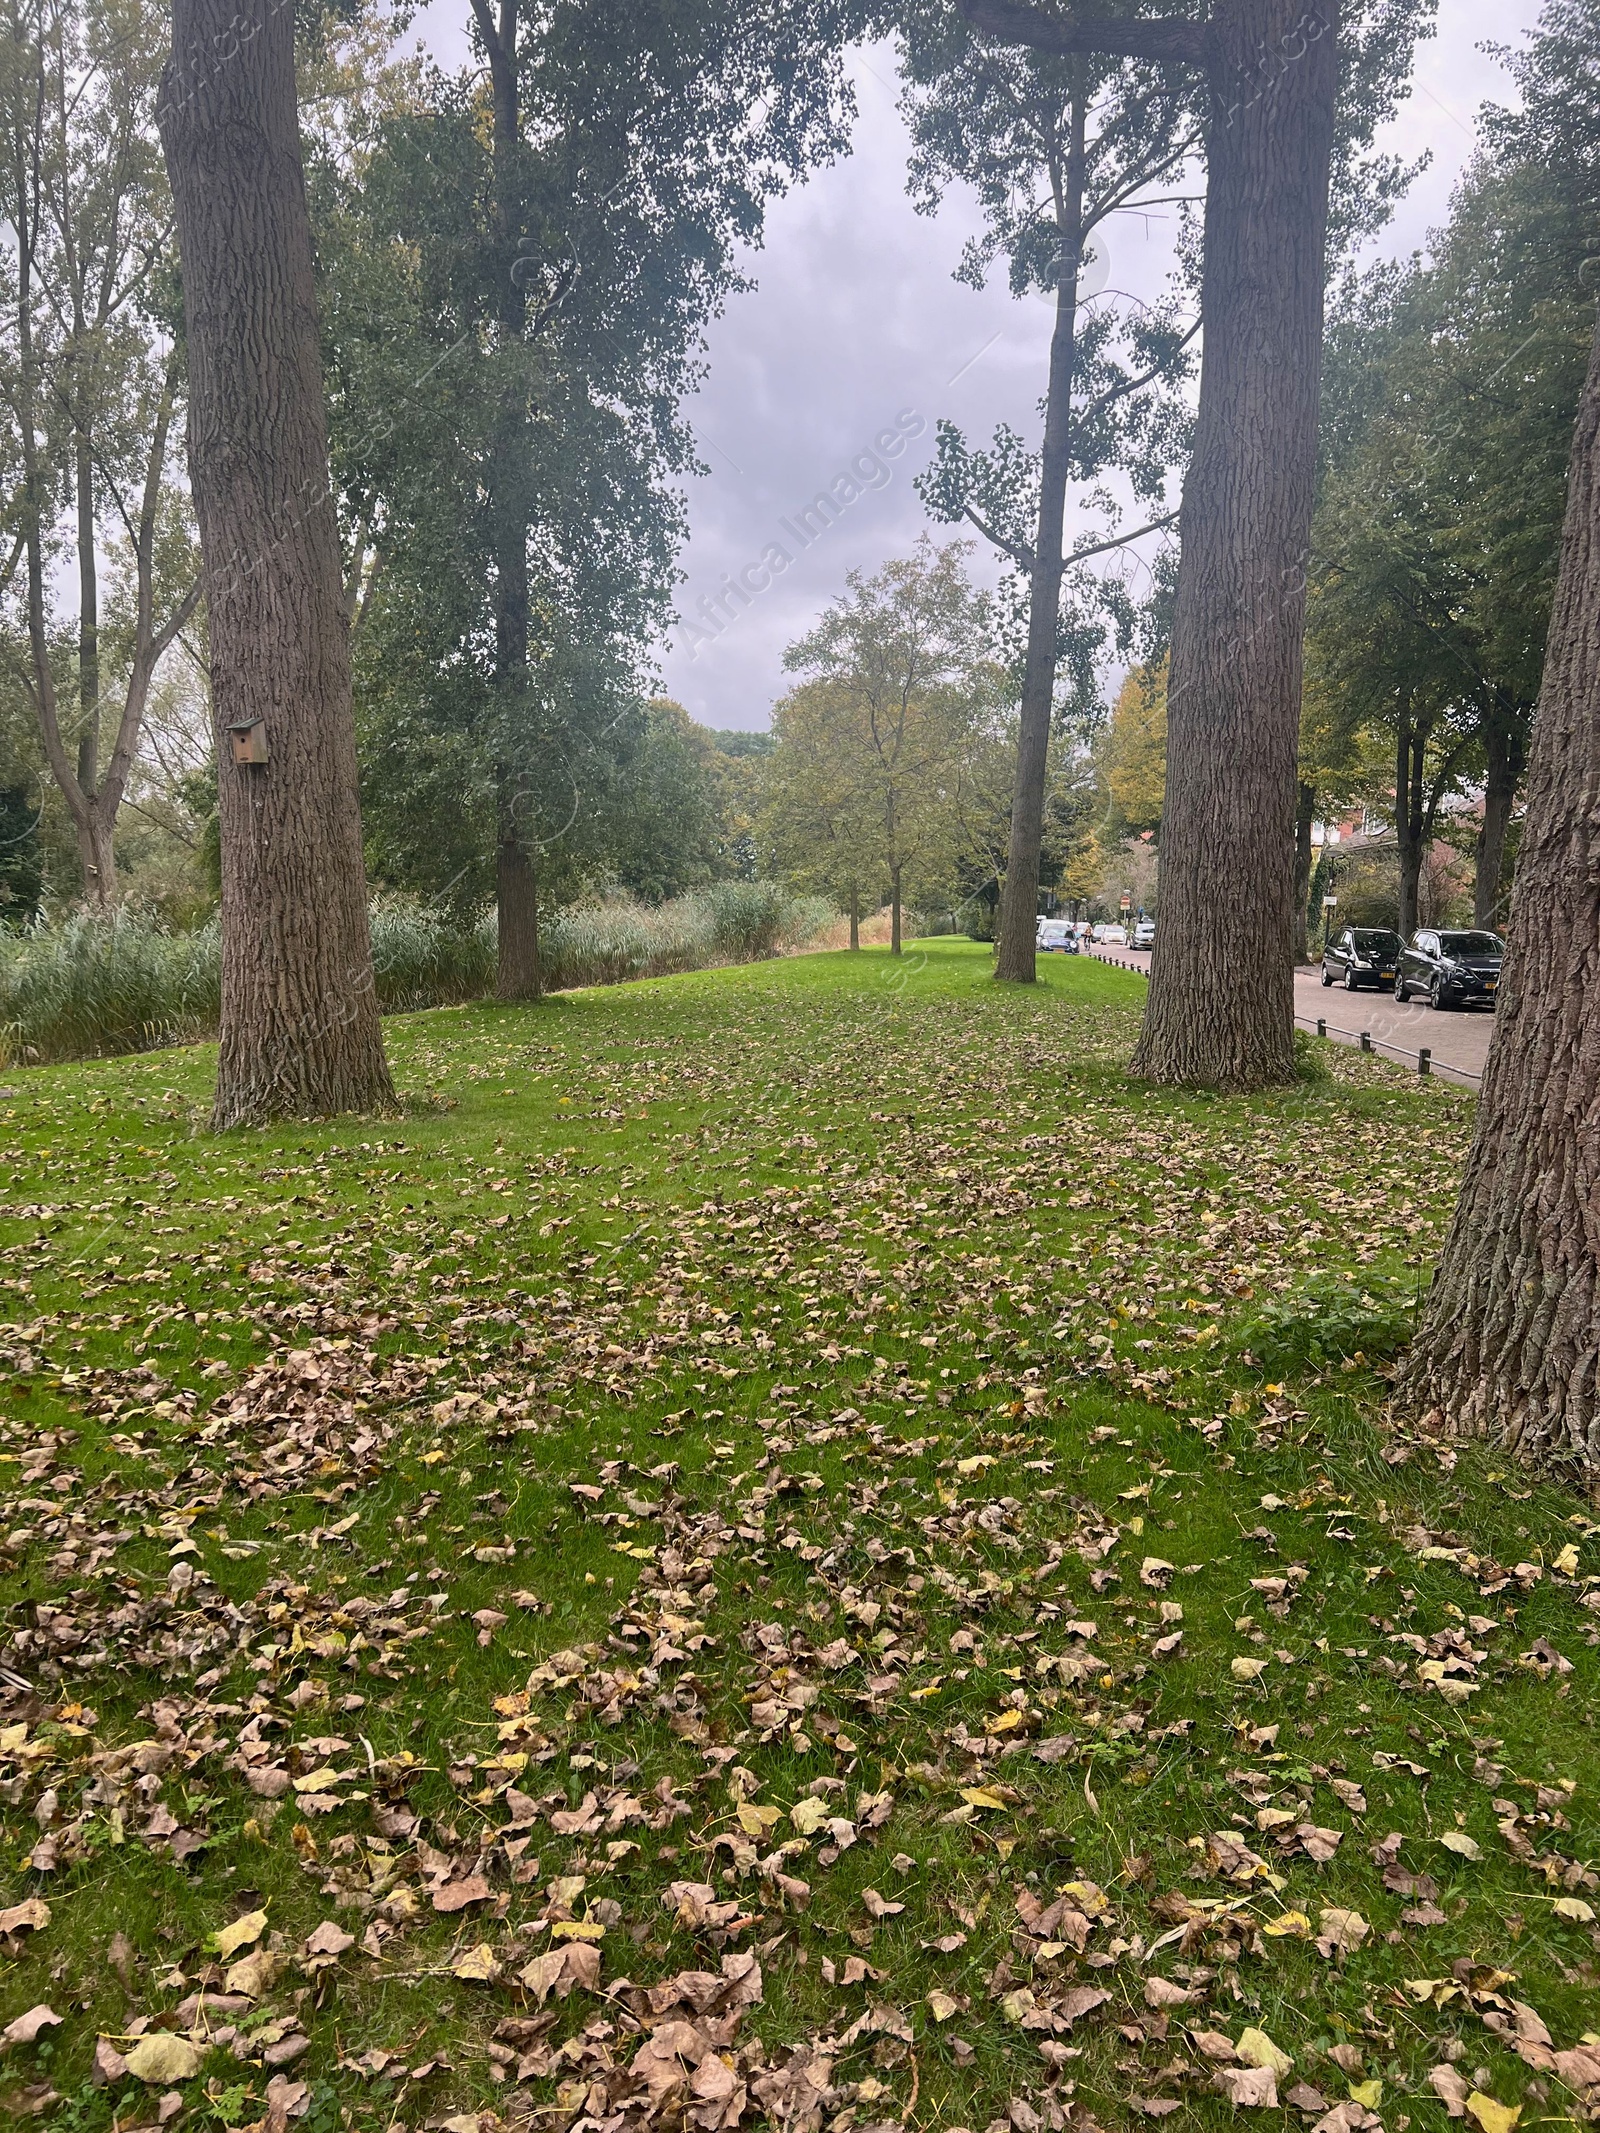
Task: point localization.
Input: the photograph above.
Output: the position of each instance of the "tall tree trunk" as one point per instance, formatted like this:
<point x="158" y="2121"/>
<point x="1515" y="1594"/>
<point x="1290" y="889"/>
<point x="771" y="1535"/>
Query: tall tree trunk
<point x="518" y="975"/>
<point x="1410" y="847"/>
<point x="300" y="1028"/>
<point x="1015" y="958"/>
<point x="894" y="910"/>
<point x="516" y="891"/>
<point x="96" y="853"/>
<point x="1510" y="1343"/>
<point x="1305" y="810"/>
<point x="1505" y="748"/>
<point x="1221" y="1002"/>
<point x="88" y="622"/>
<point x="855" y="916"/>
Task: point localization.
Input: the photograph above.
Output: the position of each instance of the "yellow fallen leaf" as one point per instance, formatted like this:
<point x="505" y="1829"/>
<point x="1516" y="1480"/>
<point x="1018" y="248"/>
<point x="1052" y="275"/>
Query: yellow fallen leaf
<point x="1369" y="2094"/>
<point x="577" y="1929"/>
<point x="478" y="1966"/>
<point x="978" y="1464"/>
<point x="1087" y="1897"/>
<point x="1340" y="1929"/>
<point x="161" y="2058"/>
<point x="808" y="1815"/>
<point x="1575" y="1908"/>
<point x="253" y="1974"/>
<point x="981" y="1796"/>
<point x="757" y="1821"/>
<point x="1288" y="1924"/>
<point x="1256" y="2048"/>
<point x="942" y="2007"/>
<point x="1491" y="2116"/>
<point x="1464" y="1847"/>
<point x="241" y="1933"/>
<point x="1247" y="1669"/>
<point x="1567" y="1561"/>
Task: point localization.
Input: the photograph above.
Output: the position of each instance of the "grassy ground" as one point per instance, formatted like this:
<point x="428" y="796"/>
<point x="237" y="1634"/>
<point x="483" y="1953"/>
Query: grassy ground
<point x="786" y="1543"/>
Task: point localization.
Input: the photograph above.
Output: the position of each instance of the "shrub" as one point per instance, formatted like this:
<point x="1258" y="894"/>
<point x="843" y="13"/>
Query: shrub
<point x="80" y="987"/>
<point x="1329" y="1318"/>
<point x="83" y="985"/>
<point x="733" y="922"/>
<point x="423" y="957"/>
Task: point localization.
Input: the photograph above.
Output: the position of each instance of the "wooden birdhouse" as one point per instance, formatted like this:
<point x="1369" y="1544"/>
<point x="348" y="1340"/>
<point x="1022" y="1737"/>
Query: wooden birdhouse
<point x="249" y="738"/>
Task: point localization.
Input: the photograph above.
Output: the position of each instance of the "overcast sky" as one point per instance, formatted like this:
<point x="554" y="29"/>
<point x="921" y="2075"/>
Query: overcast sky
<point x="856" y="325"/>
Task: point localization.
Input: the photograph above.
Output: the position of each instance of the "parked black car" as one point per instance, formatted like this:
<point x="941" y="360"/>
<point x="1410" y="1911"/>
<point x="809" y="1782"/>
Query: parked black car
<point x="1361" y="955"/>
<point x="1453" y="969"/>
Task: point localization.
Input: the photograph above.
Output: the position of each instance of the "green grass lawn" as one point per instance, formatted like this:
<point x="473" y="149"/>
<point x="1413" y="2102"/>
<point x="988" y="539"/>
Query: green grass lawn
<point x="787" y="1543"/>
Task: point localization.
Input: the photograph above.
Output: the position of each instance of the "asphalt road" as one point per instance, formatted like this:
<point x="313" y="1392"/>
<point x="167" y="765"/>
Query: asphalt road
<point x="1458" y="1038"/>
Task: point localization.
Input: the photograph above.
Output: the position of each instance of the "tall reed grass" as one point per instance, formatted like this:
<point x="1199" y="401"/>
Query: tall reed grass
<point x="80" y="987"/>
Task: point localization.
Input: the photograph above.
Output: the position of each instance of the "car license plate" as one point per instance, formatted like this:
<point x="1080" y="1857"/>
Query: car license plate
<point x="1386" y="973"/>
<point x="1489" y="984"/>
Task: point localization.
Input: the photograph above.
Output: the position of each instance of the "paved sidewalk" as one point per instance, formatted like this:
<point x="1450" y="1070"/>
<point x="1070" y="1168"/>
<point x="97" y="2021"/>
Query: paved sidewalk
<point x="1458" y="1038"/>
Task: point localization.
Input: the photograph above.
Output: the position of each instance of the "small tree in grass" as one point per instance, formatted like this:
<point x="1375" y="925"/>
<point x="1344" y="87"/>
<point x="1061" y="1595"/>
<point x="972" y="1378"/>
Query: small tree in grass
<point x="898" y="682"/>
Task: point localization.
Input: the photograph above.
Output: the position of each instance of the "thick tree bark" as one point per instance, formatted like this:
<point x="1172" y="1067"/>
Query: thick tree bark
<point x="1221" y="1004"/>
<point x="1015" y="954"/>
<point x="1510" y="1343"/>
<point x="855" y="918"/>
<point x="1305" y="811"/>
<point x="300" y="1028"/>
<point x="518" y="975"/>
<point x="1505" y="748"/>
<point x="894" y="911"/>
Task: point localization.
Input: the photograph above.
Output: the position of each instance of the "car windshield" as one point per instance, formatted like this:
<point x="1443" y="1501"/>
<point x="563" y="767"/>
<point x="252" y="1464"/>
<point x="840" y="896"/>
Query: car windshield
<point x="1471" y="944"/>
<point x="1371" y="941"/>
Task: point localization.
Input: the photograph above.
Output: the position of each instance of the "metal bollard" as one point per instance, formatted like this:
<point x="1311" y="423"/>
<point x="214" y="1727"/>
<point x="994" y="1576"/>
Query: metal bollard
<point x="1366" y="1040"/>
<point x="1322" y="1025"/>
<point x="1425" y="1061"/>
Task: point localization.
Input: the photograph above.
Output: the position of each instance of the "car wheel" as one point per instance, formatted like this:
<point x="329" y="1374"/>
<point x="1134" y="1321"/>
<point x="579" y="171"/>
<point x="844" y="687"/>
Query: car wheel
<point x="1327" y="975"/>
<point x="1402" y="991"/>
<point x="1351" y="982"/>
<point x="1436" y="996"/>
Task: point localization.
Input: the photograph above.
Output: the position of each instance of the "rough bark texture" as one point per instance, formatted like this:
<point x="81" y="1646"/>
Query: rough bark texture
<point x="300" y="1029"/>
<point x="1016" y="944"/>
<point x="517" y="908"/>
<point x="855" y="919"/>
<point x="894" y="911"/>
<point x="1504" y="753"/>
<point x="1510" y="1344"/>
<point x="1221" y="1004"/>
<point x="1304" y="815"/>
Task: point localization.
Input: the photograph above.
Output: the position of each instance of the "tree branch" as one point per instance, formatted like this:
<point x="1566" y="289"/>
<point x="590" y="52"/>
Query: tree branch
<point x="1148" y="38"/>
<point x="1134" y="385"/>
<point x="15" y="557"/>
<point x="1120" y="540"/>
<point x="1019" y="552"/>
